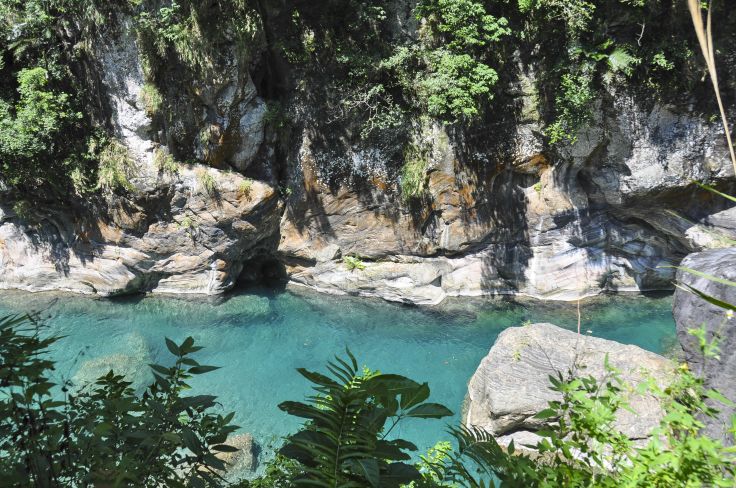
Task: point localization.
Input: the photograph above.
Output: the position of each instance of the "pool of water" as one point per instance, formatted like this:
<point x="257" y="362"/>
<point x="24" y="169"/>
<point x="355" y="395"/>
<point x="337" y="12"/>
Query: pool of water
<point x="260" y="337"/>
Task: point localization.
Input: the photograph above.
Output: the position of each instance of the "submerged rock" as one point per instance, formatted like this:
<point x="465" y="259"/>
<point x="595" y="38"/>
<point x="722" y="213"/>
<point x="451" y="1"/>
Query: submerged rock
<point x="133" y="365"/>
<point x="242" y="463"/>
<point x="692" y="312"/>
<point x="511" y="385"/>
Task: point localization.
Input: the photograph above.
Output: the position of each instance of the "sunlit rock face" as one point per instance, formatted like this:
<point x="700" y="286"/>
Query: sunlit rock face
<point x="188" y="231"/>
<point x="501" y="212"/>
<point x="693" y="312"/>
<point x="511" y="385"/>
<point x="502" y="215"/>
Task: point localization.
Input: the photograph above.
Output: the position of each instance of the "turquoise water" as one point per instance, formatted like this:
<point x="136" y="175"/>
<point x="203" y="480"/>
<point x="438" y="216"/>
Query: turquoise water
<point x="259" y="338"/>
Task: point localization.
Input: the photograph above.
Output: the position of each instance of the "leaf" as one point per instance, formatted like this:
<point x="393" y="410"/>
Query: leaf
<point x="713" y="190"/>
<point x="191" y="441"/>
<point x="429" y="411"/>
<point x="414" y="397"/>
<point x="398" y="474"/>
<point x="368" y="468"/>
<point x="160" y="369"/>
<point x="547" y="413"/>
<point x="718" y="396"/>
<point x="317" y="378"/>
<point x="392" y="451"/>
<point x="225" y="448"/>
<point x="203" y="369"/>
<point x="695" y="272"/>
<point x="173" y="348"/>
<point x="708" y="298"/>
<point x="186" y="345"/>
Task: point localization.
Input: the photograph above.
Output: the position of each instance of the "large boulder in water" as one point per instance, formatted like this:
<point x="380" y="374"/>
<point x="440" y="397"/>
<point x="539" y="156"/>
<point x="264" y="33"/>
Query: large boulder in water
<point x="511" y="385"/>
<point x="691" y="312"/>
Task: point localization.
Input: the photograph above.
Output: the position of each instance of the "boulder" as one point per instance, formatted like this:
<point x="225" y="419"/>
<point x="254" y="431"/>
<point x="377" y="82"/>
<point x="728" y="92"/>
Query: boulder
<point x="242" y="462"/>
<point x="511" y="385"/>
<point x="691" y="311"/>
<point x="132" y="364"/>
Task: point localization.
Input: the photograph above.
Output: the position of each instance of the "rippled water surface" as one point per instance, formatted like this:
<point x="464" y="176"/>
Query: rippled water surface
<point x="259" y="338"/>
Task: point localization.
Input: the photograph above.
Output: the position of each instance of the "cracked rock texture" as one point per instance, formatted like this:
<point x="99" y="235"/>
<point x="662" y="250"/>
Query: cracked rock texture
<point x="692" y="312"/>
<point x="502" y="213"/>
<point x="511" y="383"/>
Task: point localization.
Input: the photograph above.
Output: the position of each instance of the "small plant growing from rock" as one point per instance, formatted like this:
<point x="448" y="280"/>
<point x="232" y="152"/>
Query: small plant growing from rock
<point x="187" y="223"/>
<point x="207" y="182"/>
<point x="245" y="188"/>
<point x="116" y="167"/>
<point x="413" y="179"/>
<point x="151" y="99"/>
<point x="353" y="262"/>
<point x="165" y="162"/>
<point x="22" y="210"/>
<point x="538" y="187"/>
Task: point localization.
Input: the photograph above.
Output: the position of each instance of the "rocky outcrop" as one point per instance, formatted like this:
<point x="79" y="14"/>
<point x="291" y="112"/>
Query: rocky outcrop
<point x="511" y="384"/>
<point x="172" y="236"/>
<point x="502" y="212"/>
<point x="608" y="213"/>
<point x="692" y="312"/>
<point x="180" y="229"/>
<point x="132" y="364"/>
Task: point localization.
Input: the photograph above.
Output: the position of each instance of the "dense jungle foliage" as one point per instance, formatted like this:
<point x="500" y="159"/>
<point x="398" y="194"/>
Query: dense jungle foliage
<point x="378" y="68"/>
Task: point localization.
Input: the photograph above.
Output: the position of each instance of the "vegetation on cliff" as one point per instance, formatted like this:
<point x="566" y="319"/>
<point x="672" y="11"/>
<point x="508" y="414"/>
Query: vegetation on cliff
<point x="372" y="68"/>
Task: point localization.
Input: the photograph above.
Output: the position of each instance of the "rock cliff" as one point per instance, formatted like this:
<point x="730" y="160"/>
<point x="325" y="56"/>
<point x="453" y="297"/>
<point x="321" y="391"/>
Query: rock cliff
<point x="503" y="213"/>
<point x="692" y="312"/>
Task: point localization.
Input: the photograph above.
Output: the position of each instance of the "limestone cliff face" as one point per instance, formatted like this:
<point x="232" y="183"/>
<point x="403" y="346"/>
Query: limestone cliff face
<point x="608" y="213"/>
<point x="502" y="212"/>
<point x="189" y="231"/>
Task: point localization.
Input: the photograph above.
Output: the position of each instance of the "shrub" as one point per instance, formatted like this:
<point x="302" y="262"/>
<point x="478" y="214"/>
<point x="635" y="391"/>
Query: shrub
<point x="165" y="162"/>
<point x="245" y="188"/>
<point x="349" y="418"/>
<point x="207" y="182"/>
<point x="413" y="180"/>
<point x="353" y="262"/>
<point x="116" y="166"/>
<point x="31" y="130"/>
<point x="104" y="434"/>
<point x="151" y="98"/>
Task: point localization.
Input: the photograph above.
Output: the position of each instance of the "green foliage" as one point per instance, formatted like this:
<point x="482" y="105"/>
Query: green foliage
<point x="207" y="182"/>
<point x="456" y="84"/>
<point x="23" y="210"/>
<point x="582" y="446"/>
<point x="245" y="188"/>
<point x="30" y="127"/>
<point x="117" y="166"/>
<point x="345" y="440"/>
<point x="457" y="80"/>
<point x="353" y="262"/>
<point x="413" y="181"/>
<point x="573" y="107"/>
<point x="165" y="162"/>
<point x="151" y="98"/>
<point x="103" y="434"/>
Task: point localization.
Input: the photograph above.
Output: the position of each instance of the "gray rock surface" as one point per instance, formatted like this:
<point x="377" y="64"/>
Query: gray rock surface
<point x="132" y="364"/>
<point x="608" y="213"/>
<point x="170" y="234"/>
<point x="503" y="213"/>
<point x="692" y="312"/>
<point x="511" y="384"/>
<point x="242" y="463"/>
